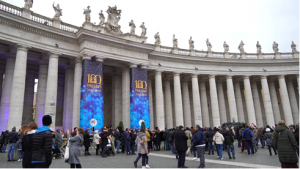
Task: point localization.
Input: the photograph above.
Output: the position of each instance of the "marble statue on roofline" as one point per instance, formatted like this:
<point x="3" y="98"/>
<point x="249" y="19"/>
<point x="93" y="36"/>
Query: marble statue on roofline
<point x="258" y="47"/>
<point x="241" y="47"/>
<point x="208" y="45"/>
<point x="191" y="42"/>
<point x="58" y="11"/>
<point x="226" y="47"/>
<point x="175" y="42"/>
<point x="132" y="25"/>
<point x="102" y="18"/>
<point x="113" y="18"/>
<point x="87" y="13"/>
<point x="294" y="47"/>
<point x="275" y="47"/>
<point x="28" y="4"/>
<point x="144" y="29"/>
<point x="157" y="39"/>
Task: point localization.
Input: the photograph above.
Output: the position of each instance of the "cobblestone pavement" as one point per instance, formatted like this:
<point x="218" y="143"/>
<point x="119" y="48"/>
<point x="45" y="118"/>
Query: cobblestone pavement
<point x="165" y="159"/>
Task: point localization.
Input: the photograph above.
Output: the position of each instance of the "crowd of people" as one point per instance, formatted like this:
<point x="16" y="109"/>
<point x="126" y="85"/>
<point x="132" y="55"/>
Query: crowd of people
<point x="37" y="146"/>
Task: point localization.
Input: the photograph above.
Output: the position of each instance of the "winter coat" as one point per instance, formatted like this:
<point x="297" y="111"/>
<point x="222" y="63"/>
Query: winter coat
<point x="133" y="138"/>
<point x="162" y="137"/>
<point x="180" y="140"/>
<point x="58" y="138"/>
<point x="166" y="135"/>
<point x="260" y="134"/>
<point x="148" y="135"/>
<point x="247" y="134"/>
<point x="86" y="140"/>
<point x="104" y="138"/>
<point x="198" y="138"/>
<point x="241" y="132"/>
<point x="268" y="138"/>
<point x="42" y="146"/>
<point x="228" y="138"/>
<point x="96" y="138"/>
<point x="12" y="137"/>
<point x="285" y="143"/>
<point x="157" y="137"/>
<point x="189" y="135"/>
<point x="117" y="135"/>
<point x="142" y="149"/>
<point x="218" y="138"/>
<point x="126" y="136"/>
<point x="75" y="148"/>
<point x="209" y="135"/>
<point x="27" y="149"/>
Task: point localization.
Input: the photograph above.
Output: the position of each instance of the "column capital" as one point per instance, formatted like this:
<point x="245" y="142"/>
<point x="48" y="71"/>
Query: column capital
<point x="144" y="66"/>
<point x="22" y="47"/>
<point x="263" y="76"/>
<point x="246" y="77"/>
<point x="211" y="76"/>
<point x="132" y="65"/>
<point x="86" y="57"/>
<point x="281" y="76"/>
<point x="78" y="59"/>
<point x="100" y="59"/>
<point x="194" y="75"/>
<point x="158" y="72"/>
<point x="229" y="76"/>
<point x="53" y="54"/>
<point x="176" y="74"/>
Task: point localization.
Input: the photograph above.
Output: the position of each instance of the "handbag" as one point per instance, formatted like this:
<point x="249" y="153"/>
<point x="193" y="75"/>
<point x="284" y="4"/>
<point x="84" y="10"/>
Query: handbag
<point x="67" y="151"/>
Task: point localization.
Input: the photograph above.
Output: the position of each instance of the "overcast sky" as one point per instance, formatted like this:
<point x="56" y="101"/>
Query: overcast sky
<point x="219" y="20"/>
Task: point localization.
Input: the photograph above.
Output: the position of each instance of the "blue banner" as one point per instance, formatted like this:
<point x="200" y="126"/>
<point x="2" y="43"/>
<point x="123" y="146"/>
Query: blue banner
<point x="91" y="103"/>
<point x="139" y="100"/>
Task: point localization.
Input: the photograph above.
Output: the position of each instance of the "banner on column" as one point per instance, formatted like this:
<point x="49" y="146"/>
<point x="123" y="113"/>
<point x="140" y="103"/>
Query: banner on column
<point x="91" y="103"/>
<point x="139" y="100"/>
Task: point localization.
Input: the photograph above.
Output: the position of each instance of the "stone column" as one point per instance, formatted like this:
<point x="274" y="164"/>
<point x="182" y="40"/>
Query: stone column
<point x="293" y="101"/>
<point x="274" y="102"/>
<point x="151" y="104"/>
<point x="249" y="101"/>
<point x="214" y="101"/>
<point x="221" y="100"/>
<point x="186" y="104"/>
<point x="28" y="98"/>
<point x="257" y="106"/>
<point x="297" y="80"/>
<point x="267" y="101"/>
<point x="126" y="97"/>
<point x="60" y="100"/>
<point x="178" y="100"/>
<point x="6" y="91"/>
<point x="196" y="101"/>
<point x="168" y="104"/>
<point x="51" y="91"/>
<point x="77" y="93"/>
<point x="68" y="98"/>
<point x="18" y="88"/>
<point x="239" y="102"/>
<point x="160" y="115"/>
<point x="1" y="81"/>
<point x="204" y="105"/>
<point x="231" y="99"/>
<point x="41" y="93"/>
<point x="285" y="100"/>
<point x="117" y="99"/>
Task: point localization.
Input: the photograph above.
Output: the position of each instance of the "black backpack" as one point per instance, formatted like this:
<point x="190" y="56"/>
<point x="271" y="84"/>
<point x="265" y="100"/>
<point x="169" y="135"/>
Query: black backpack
<point x="11" y="137"/>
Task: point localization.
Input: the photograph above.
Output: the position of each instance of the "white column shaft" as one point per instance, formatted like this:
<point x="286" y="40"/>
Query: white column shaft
<point x="293" y="101"/>
<point x="117" y="99"/>
<point x="221" y="100"/>
<point x="160" y="116"/>
<point x="249" y="101"/>
<point x="60" y="101"/>
<point x="77" y="92"/>
<point x="151" y="104"/>
<point x="178" y="100"/>
<point x="68" y="99"/>
<point x="28" y="99"/>
<point x="274" y="102"/>
<point x="196" y="101"/>
<point x="285" y="101"/>
<point x="204" y="105"/>
<point x="257" y="106"/>
<point x="239" y="102"/>
<point x="168" y="104"/>
<point x="18" y="89"/>
<point x="186" y="105"/>
<point x="214" y="101"/>
<point x="267" y="101"/>
<point x="126" y="97"/>
<point x="231" y="99"/>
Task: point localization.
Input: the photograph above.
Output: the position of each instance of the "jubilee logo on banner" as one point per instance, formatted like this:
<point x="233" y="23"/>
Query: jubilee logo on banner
<point x="139" y="100"/>
<point x="91" y="103"/>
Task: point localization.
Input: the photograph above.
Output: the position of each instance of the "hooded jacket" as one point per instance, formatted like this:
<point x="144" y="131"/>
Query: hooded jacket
<point x="218" y="138"/>
<point x="247" y="134"/>
<point x="285" y="143"/>
<point x="198" y="138"/>
<point x="142" y="149"/>
<point x="58" y="137"/>
<point x="209" y="135"/>
<point x="228" y="137"/>
<point x="27" y="149"/>
<point x="42" y="146"/>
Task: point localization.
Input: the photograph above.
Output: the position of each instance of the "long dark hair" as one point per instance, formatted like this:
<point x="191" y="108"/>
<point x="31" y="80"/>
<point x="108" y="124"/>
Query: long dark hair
<point x="86" y="132"/>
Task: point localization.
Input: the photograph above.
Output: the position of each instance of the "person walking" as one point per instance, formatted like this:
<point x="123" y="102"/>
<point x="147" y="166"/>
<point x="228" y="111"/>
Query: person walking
<point x="209" y="136"/>
<point x="244" y="145"/>
<point x="284" y="142"/>
<point x="96" y="141"/>
<point x="261" y="137"/>
<point x="229" y="142"/>
<point x="268" y="138"/>
<point x="181" y="146"/>
<point x="157" y="139"/>
<point x="127" y="141"/>
<point x="218" y="139"/>
<point x="27" y="145"/>
<point x="141" y="142"/>
<point x="117" y="139"/>
<point x="42" y="144"/>
<point x="12" y="138"/>
<point x="104" y="141"/>
<point x="189" y="143"/>
<point x="247" y="134"/>
<point x="199" y="144"/>
<point x="86" y="142"/>
<point x="75" y="148"/>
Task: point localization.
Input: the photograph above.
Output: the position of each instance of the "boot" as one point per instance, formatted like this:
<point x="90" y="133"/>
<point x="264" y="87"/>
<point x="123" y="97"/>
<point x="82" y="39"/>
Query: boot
<point x="135" y="164"/>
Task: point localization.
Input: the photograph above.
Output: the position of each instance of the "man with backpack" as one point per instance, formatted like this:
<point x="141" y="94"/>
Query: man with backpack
<point x="247" y="135"/>
<point x="12" y="138"/>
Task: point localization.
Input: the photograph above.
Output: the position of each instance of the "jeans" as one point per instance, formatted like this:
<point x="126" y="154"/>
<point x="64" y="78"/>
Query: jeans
<point x="138" y="157"/>
<point x="11" y="151"/>
<point x="239" y="143"/>
<point x="262" y="142"/>
<point x="211" y="147"/>
<point x="181" y="159"/>
<point x="220" y="150"/>
<point x="20" y="154"/>
<point x="132" y="148"/>
<point x="104" y="150"/>
<point x="173" y="148"/>
<point x="118" y="145"/>
<point x="249" y="146"/>
<point x="97" y="148"/>
<point x="4" y="148"/>
<point x="127" y="143"/>
<point x="167" y="144"/>
<point x="232" y="149"/>
<point x="144" y="159"/>
<point x="270" y="151"/>
<point x="200" y="152"/>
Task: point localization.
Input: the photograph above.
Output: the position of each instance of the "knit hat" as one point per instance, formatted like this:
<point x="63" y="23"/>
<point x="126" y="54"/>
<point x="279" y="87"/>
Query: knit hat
<point x="14" y="128"/>
<point x="267" y="129"/>
<point x="47" y="120"/>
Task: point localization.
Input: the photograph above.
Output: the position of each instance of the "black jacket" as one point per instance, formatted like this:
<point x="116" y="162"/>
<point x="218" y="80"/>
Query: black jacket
<point x="228" y="137"/>
<point x="167" y="135"/>
<point x="157" y="137"/>
<point x="12" y="137"/>
<point x="132" y="138"/>
<point x="117" y="135"/>
<point x="86" y="140"/>
<point x="42" y="146"/>
<point x="209" y="135"/>
<point x="27" y="149"/>
<point x="181" y="140"/>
